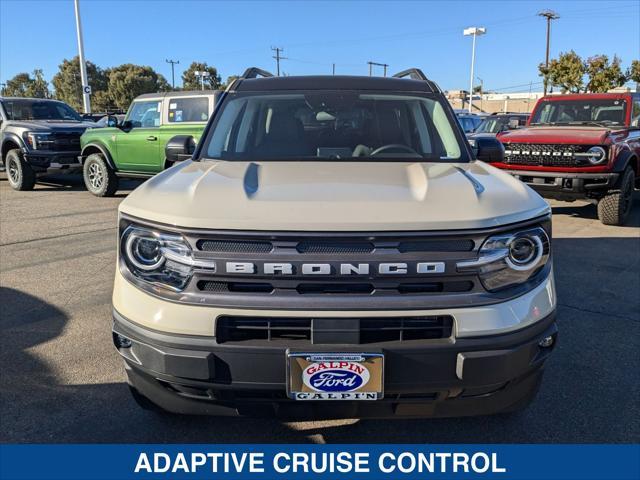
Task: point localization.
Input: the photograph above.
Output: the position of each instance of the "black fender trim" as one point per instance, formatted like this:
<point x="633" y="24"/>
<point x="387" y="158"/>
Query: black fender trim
<point x="104" y="150"/>
<point x="12" y="137"/>
<point x="622" y="160"/>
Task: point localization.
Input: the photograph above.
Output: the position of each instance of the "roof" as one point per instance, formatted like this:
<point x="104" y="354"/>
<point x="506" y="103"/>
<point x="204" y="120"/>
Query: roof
<point x="180" y="93"/>
<point x="593" y="96"/>
<point x="333" y="82"/>
<point x="32" y="98"/>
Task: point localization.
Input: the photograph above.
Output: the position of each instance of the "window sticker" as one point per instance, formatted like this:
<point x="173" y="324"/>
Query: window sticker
<point x="178" y="117"/>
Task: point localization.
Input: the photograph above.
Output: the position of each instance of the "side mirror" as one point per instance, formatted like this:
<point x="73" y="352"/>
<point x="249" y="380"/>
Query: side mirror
<point x="180" y="148"/>
<point x="126" y="125"/>
<point x="489" y="150"/>
<point x="112" y="121"/>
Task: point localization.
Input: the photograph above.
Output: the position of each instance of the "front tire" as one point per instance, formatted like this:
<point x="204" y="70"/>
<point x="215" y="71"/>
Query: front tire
<point x="615" y="206"/>
<point x="19" y="173"/>
<point x="99" y="177"/>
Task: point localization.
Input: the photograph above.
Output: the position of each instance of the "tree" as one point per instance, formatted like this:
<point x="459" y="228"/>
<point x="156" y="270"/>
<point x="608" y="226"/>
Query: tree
<point x="192" y="82"/>
<point x="633" y="72"/>
<point x="17" y="86"/>
<point x="128" y="81"/>
<point x="566" y="72"/>
<point x="68" y="84"/>
<point x="22" y="85"/>
<point x="603" y="76"/>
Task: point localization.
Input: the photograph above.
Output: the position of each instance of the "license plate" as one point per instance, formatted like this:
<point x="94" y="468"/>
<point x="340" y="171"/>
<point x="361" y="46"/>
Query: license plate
<point x="335" y="376"/>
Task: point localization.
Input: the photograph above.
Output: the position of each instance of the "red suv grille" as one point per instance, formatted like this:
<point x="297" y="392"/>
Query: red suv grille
<point x="546" y="155"/>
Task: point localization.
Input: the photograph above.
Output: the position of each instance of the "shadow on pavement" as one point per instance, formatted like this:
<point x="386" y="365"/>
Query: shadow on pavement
<point x="590" y="393"/>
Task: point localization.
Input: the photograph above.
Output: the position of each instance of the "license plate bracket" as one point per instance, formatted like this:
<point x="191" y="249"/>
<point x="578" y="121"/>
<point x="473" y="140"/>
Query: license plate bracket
<point x="335" y="376"/>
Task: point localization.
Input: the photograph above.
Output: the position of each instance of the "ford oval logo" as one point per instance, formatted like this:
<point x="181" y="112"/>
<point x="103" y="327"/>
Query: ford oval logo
<point x="338" y="376"/>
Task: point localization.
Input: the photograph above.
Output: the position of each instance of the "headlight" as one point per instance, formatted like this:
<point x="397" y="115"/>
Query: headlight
<point x="162" y="259"/>
<point x="510" y="259"/>
<point x="38" y="141"/>
<point x="596" y="155"/>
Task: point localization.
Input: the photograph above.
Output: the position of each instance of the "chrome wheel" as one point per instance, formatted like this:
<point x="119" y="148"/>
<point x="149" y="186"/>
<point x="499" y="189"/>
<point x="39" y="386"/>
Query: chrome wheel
<point x="13" y="171"/>
<point x="96" y="176"/>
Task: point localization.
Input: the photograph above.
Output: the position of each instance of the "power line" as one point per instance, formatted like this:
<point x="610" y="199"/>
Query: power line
<point x="173" y="78"/>
<point x="278" y="58"/>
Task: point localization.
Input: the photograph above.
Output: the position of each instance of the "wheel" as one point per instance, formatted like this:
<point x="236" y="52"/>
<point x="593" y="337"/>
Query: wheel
<point x="19" y="173"/>
<point x="99" y="177"/>
<point x="614" y="207"/>
<point x="143" y="402"/>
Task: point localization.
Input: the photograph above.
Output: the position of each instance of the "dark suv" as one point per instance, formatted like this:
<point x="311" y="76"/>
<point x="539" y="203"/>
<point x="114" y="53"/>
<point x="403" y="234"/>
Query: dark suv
<point x="584" y="146"/>
<point x="38" y="137"/>
<point x="499" y="122"/>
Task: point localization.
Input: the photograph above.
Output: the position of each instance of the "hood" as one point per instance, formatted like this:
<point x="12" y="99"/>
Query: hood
<point x="333" y="196"/>
<point x="471" y="136"/>
<point x="557" y="134"/>
<point x="52" y="125"/>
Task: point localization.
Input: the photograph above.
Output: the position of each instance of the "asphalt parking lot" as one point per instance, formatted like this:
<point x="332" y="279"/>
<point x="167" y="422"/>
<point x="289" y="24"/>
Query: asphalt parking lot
<point x="62" y="381"/>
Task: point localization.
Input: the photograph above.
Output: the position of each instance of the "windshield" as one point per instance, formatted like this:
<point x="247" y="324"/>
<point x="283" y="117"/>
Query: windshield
<point x="319" y="125"/>
<point x="29" y="109"/>
<point x="498" y="124"/>
<point x="469" y="124"/>
<point x="580" y="112"/>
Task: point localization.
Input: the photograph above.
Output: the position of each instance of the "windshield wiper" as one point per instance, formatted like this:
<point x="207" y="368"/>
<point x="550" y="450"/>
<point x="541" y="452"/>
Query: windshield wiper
<point x="589" y="122"/>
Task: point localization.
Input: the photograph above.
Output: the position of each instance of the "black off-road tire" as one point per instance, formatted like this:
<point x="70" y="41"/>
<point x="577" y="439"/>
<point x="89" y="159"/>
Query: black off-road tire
<point x="615" y="206"/>
<point x="99" y="177"/>
<point x="19" y="173"/>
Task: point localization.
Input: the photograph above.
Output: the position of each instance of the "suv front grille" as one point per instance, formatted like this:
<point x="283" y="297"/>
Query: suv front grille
<point x="64" y="142"/>
<point x="343" y="246"/>
<point x="546" y="155"/>
<point x="299" y="331"/>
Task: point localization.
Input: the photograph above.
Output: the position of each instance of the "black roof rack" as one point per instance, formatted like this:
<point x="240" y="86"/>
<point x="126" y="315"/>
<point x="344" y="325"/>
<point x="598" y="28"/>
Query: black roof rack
<point x="417" y="74"/>
<point x="255" y="72"/>
<point x="412" y="73"/>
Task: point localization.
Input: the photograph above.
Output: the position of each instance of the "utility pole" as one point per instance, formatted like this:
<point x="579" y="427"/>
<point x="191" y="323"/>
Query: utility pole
<point x="334" y="69"/>
<point x="474" y="31"/>
<point x="278" y="57"/>
<point x="383" y="65"/>
<point x="549" y="15"/>
<point x="86" y="89"/>
<point x="173" y="77"/>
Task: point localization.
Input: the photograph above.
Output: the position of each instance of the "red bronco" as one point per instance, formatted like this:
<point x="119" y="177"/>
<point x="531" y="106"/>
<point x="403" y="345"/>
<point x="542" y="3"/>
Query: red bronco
<point x="584" y="146"/>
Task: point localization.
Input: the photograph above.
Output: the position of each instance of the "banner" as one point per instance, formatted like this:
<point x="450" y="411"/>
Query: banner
<point x="353" y="462"/>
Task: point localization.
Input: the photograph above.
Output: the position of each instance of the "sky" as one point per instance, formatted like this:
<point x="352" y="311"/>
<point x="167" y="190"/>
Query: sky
<point x="315" y="34"/>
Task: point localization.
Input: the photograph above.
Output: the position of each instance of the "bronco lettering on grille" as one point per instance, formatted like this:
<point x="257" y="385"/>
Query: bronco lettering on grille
<point x="338" y="268"/>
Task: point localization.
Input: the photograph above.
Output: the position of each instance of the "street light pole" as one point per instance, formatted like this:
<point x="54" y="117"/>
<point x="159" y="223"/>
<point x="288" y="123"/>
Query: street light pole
<point x="473" y="31"/>
<point x="203" y="74"/>
<point x="86" y="89"/>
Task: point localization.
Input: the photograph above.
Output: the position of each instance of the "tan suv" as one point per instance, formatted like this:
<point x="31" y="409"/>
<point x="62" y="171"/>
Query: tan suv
<point x="333" y="249"/>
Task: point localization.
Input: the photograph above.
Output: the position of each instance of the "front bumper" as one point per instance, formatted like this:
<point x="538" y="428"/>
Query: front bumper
<point x="453" y="377"/>
<point x="44" y="162"/>
<point x="567" y="185"/>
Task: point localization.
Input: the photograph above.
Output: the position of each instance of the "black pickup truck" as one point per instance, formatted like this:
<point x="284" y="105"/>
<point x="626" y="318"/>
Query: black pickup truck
<point x="38" y="137"/>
